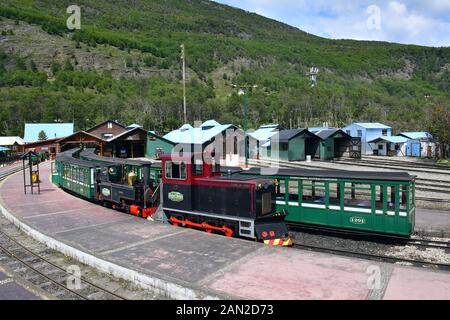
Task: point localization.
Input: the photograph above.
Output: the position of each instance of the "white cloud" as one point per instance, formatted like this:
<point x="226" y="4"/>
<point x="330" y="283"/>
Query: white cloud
<point x="404" y="21"/>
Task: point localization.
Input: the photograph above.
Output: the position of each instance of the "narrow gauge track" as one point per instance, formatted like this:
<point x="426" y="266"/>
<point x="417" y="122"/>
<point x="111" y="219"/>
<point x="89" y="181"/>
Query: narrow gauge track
<point x="378" y="164"/>
<point x="372" y="237"/>
<point x="404" y="163"/>
<point x="425" y="243"/>
<point x="376" y="257"/>
<point x="284" y="164"/>
<point x="43" y="273"/>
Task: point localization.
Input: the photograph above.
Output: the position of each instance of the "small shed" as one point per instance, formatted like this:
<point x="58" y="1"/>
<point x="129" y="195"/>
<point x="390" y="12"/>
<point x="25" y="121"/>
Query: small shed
<point x="334" y="143"/>
<point x="294" y="144"/>
<point x="419" y="144"/>
<point x="259" y="140"/>
<point x="157" y="145"/>
<point x="12" y="144"/>
<point x="389" y="146"/>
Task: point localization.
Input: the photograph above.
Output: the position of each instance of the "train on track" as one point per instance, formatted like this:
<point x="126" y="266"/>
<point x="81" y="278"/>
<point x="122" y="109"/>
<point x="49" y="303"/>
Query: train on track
<point x="365" y="201"/>
<point x="255" y="204"/>
<point x="192" y="192"/>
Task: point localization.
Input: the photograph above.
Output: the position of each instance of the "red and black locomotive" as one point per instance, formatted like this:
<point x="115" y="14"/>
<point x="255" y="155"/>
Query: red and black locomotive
<point x="196" y="195"/>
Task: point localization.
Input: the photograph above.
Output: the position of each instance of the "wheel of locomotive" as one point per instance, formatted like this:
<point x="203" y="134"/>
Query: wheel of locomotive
<point x="106" y="204"/>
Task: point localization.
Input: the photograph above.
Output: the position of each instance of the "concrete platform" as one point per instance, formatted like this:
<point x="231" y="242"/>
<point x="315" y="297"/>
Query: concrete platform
<point x="184" y="263"/>
<point x="14" y="289"/>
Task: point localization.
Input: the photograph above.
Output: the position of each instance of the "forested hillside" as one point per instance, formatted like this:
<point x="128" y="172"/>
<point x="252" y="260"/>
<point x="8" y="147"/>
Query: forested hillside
<point x="124" y="64"/>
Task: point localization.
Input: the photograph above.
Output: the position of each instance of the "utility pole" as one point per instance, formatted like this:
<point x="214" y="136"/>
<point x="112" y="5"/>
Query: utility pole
<point x="243" y="89"/>
<point x="184" y="82"/>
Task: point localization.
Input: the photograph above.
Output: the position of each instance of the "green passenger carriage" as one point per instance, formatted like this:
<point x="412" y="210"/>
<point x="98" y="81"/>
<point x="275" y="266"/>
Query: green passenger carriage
<point x="365" y="201"/>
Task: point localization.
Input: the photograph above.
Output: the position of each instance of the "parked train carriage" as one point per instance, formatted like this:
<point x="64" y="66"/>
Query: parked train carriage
<point x="366" y="201"/>
<point x="196" y="195"/>
<point x="75" y="175"/>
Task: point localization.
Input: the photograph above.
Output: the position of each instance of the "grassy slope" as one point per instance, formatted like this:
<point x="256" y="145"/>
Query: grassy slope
<point x="359" y="80"/>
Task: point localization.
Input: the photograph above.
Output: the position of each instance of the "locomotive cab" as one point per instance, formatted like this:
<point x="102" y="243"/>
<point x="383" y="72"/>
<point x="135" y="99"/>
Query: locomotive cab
<point x="195" y="194"/>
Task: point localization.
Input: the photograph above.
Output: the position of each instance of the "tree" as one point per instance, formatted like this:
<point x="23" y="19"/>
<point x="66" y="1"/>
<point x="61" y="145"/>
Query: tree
<point x="42" y="135"/>
<point x="440" y="128"/>
<point x="68" y="65"/>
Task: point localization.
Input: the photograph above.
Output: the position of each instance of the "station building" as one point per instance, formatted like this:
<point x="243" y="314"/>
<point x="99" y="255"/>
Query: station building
<point x="335" y="143"/>
<point x="368" y="131"/>
<point x="419" y="144"/>
<point x="389" y="146"/>
<point x="12" y="144"/>
<point x="294" y="144"/>
<point x="224" y="141"/>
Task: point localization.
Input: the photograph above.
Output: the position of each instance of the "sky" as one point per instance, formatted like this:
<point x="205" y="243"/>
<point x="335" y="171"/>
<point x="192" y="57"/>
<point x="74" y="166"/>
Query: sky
<point x="421" y="22"/>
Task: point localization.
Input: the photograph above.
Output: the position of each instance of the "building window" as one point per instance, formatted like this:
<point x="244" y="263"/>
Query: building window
<point x="384" y="132"/>
<point x="380" y="147"/>
<point x="176" y="170"/>
<point x="109" y="125"/>
<point x="397" y="147"/>
<point x="348" y="132"/>
<point x="107" y="136"/>
<point x="359" y="133"/>
<point x="284" y="146"/>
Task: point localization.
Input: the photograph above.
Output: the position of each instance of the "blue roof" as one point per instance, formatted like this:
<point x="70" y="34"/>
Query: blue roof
<point x="186" y="135"/>
<point x="417" y="135"/>
<point x="264" y="133"/>
<point x="391" y="139"/>
<point x="52" y="130"/>
<point x="372" y="125"/>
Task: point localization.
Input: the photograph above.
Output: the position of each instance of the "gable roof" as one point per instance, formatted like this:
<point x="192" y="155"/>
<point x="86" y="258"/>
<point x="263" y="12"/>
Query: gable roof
<point x="391" y="139"/>
<point x="52" y="130"/>
<point x="264" y="133"/>
<point x="197" y="135"/>
<point x="9" y="141"/>
<point x="416" y="135"/>
<point x="326" y="133"/>
<point x="153" y="133"/>
<point x="126" y="133"/>
<point x="104" y="122"/>
<point x="372" y="125"/>
<point x="288" y="134"/>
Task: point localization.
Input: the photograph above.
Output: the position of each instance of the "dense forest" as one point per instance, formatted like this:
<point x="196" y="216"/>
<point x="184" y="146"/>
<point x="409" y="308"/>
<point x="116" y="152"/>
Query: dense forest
<point x="124" y="64"/>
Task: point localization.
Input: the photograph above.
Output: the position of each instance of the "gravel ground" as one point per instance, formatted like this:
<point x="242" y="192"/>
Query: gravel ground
<point x="434" y="255"/>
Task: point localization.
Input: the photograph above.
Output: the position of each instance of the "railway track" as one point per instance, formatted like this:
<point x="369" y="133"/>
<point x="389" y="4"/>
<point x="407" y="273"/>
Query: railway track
<point x="377" y="239"/>
<point x="43" y="273"/>
<point x="378" y="164"/>
<point x="47" y="275"/>
<point x="405" y="163"/>
<point x="376" y="257"/>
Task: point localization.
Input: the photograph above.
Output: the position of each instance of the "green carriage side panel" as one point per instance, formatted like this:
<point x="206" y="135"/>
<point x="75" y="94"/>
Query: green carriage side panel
<point x="78" y="179"/>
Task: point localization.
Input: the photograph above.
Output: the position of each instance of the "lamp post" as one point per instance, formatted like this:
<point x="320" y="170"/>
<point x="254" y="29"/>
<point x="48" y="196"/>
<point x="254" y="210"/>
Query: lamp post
<point x="243" y="89"/>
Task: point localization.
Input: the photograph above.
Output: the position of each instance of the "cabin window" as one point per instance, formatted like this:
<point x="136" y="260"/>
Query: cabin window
<point x="390" y="198"/>
<point x="380" y="147"/>
<point x="109" y="125"/>
<point x="198" y="168"/>
<point x="358" y="195"/>
<point x="313" y="191"/>
<point x="384" y="132"/>
<point x="334" y="193"/>
<point x="281" y="189"/>
<point x="348" y="132"/>
<point x="293" y="190"/>
<point x="107" y="136"/>
<point x="284" y="146"/>
<point x="359" y="133"/>
<point x="176" y="170"/>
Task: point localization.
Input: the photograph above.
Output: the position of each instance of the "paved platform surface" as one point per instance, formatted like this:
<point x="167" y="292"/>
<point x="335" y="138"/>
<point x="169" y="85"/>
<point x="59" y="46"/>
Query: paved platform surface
<point x="206" y="264"/>
<point x="11" y="290"/>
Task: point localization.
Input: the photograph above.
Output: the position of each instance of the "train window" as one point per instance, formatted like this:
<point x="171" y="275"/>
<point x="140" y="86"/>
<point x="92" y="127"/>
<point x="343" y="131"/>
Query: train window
<point x="198" y="167"/>
<point x="358" y="194"/>
<point x="293" y="190"/>
<point x="176" y="170"/>
<point x="334" y="193"/>
<point x="390" y="198"/>
<point x="313" y="191"/>
<point x="281" y="189"/>
<point x="403" y="197"/>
